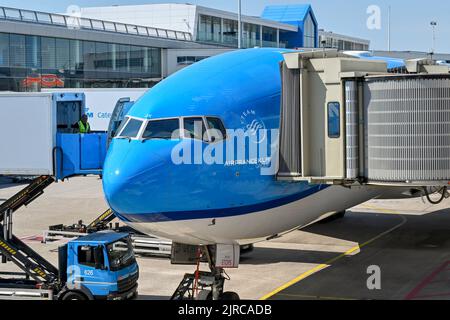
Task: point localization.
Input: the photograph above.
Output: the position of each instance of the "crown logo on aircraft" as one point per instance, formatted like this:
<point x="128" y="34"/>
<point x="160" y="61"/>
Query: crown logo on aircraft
<point x="254" y="126"/>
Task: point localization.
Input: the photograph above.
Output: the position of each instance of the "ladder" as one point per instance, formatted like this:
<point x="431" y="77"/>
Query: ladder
<point x="185" y="290"/>
<point x="12" y="248"/>
<point x="185" y="286"/>
<point x="102" y="221"/>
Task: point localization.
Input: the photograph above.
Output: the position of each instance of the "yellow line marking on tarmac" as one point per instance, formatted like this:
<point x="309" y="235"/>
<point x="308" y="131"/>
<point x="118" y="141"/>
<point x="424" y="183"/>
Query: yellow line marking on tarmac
<point x="350" y="252"/>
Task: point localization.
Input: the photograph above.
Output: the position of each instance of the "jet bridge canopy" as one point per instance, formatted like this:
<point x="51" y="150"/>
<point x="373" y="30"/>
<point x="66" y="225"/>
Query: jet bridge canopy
<point x="347" y="121"/>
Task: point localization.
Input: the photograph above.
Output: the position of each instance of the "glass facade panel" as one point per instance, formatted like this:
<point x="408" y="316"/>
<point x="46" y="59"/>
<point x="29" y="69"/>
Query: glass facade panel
<point x="88" y="58"/>
<point x="62" y="54"/>
<point x="17" y="51"/>
<point x="4" y="50"/>
<point x="28" y="63"/>
<point x="123" y="58"/>
<point x="269" y="37"/>
<point x="48" y="53"/>
<point x="154" y="62"/>
<point x="33" y="52"/>
<point x="76" y="56"/>
<point x="136" y="59"/>
<point x="103" y="56"/>
<point x="230" y="32"/>
<point x="250" y="35"/>
<point x="210" y="29"/>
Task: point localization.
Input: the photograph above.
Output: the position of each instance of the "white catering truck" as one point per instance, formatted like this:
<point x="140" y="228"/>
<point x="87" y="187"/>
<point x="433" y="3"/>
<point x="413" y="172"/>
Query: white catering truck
<point x="100" y="103"/>
<point x="39" y="136"/>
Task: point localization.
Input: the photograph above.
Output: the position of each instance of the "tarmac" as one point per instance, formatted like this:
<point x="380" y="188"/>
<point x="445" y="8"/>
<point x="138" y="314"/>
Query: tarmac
<point x="406" y="242"/>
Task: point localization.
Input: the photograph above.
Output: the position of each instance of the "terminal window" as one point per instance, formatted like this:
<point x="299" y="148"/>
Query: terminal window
<point x="30" y="63"/>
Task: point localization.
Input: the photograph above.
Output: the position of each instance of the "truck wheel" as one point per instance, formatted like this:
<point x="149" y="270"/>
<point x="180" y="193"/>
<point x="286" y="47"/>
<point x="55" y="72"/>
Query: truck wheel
<point x="74" y="296"/>
<point x="230" y="296"/>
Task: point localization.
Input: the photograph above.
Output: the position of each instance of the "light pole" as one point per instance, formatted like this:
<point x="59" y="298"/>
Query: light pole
<point x="239" y="24"/>
<point x="389" y="29"/>
<point x="433" y="25"/>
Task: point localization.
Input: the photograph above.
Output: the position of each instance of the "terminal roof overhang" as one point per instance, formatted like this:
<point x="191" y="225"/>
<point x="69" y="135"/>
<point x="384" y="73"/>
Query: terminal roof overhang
<point x="26" y="27"/>
<point x="248" y="19"/>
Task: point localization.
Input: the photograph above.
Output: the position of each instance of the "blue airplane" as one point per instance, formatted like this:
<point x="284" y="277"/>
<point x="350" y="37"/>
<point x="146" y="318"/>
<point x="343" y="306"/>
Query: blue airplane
<point x="200" y="202"/>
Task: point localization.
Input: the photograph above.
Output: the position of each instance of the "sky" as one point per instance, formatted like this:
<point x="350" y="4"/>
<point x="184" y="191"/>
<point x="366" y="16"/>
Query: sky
<point x="410" y="19"/>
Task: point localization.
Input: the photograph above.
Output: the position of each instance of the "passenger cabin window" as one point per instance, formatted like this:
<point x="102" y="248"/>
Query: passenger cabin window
<point x="131" y="129"/>
<point x="161" y="129"/>
<point x="86" y="256"/>
<point x="194" y="128"/>
<point x="334" y="120"/>
<point x="217" y="124"/>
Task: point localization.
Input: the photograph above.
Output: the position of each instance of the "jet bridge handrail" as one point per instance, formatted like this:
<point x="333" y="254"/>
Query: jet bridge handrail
<point x="75" y="22"/>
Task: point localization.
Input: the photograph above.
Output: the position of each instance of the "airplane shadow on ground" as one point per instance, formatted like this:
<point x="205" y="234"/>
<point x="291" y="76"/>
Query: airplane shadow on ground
<point x="427" y="231"/>
<point x="262" y="256"/>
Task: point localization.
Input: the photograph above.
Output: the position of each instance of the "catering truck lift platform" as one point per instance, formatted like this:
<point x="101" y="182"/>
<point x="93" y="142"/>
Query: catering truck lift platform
<point x="38" y="140"/>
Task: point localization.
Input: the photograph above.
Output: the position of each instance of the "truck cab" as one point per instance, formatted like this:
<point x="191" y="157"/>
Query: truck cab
<point x="99" y="266"/>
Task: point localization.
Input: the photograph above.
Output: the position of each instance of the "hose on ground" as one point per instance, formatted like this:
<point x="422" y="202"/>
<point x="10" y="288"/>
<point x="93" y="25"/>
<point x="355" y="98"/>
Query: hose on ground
<point x="443" y="191"/>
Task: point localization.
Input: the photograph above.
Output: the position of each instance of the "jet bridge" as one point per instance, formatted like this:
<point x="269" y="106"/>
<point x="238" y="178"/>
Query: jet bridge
<point x="349" y="121"/>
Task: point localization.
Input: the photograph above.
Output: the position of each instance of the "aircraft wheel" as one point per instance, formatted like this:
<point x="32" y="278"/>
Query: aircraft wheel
<point x="230" y="296"/>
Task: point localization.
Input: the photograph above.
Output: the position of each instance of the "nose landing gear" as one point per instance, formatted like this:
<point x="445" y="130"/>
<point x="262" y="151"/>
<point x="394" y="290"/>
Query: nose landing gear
<point x="205" y="285"/>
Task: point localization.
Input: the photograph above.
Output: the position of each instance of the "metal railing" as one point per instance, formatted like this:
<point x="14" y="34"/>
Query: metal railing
<point x="74" y="22"/>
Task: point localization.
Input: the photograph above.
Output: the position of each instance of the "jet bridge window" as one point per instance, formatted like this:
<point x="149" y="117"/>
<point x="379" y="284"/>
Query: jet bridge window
<point x="161" y="129"/>
<point x="131" y="128"/>
<point x="334" y="120"/>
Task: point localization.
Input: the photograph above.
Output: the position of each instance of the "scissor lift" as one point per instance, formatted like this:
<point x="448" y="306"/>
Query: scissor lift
<point x="13" y="249"/>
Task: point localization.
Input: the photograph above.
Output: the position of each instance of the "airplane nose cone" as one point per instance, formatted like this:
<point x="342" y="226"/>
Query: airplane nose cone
<point x="129" y="175"/>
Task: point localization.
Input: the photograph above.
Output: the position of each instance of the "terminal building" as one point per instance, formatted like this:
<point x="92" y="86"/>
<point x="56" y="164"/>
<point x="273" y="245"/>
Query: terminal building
<point x="333" y="40"/>
<point x="133" y="46"/>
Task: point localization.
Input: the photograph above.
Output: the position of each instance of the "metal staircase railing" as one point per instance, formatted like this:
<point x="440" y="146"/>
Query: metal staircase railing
<point x="12" y="248"/>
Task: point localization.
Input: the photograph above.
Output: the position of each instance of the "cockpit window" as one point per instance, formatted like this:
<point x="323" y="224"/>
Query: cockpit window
<point x="161" y="129"/>
<point x="194" y="128"/>
<point x="131" y="129"/>
<point x="217" y="125"/>
<point x="120" y="128"/>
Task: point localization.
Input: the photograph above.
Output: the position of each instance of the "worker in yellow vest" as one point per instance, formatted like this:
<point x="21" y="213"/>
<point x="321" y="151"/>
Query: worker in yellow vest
<point x="83" y="125"/>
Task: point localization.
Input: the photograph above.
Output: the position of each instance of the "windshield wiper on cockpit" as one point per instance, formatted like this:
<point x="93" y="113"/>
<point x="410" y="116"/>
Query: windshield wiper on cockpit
<point x="156" y="137"/>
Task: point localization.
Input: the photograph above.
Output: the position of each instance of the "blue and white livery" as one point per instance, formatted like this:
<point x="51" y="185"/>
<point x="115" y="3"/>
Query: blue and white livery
<point x="225" y="202"/>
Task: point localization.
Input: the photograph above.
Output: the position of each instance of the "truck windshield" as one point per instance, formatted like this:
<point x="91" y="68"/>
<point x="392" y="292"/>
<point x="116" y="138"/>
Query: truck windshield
<point x="120" y="254"/>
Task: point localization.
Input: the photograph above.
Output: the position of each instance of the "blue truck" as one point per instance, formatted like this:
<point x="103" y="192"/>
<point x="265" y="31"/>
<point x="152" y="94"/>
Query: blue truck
<point x="97" y="266"/>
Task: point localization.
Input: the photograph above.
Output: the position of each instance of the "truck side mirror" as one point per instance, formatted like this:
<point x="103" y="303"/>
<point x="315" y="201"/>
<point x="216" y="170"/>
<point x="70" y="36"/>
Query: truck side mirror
<point x="98" y="256"/>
